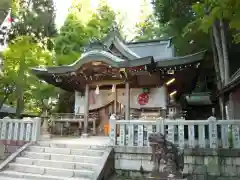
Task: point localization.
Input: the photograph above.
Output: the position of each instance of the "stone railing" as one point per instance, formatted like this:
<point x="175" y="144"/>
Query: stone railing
<point x="209" y="133"/>
<point x="61" y="123"/>
<point x="19" y="131"/>
<point x="67" y="116"/>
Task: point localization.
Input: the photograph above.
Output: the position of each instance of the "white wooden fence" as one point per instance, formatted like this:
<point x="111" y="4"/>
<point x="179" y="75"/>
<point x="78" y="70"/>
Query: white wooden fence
<point x="209" y="133"/>
<point x="26" y="129"/>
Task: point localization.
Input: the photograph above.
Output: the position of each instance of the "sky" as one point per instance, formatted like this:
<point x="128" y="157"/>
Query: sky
<point x="129" y="9"/>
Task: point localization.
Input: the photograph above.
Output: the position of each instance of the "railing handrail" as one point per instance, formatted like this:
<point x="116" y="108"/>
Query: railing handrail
<point x="193" y="133"/>
<point x="26" y="129"/>
<point x="177" y="121"/>
<point x="25" y="120"/>
<point x="67" y="114"/>
<point x="16" y="120"/>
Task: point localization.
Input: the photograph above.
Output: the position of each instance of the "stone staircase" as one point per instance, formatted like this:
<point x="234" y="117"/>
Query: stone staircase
<point x="48" y="161"/>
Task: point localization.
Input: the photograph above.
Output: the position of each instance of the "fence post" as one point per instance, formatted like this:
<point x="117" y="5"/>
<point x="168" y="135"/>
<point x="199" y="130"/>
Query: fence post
<point x="149" y="131"/>
<point x="162" y="127"/>
<point x="122" y="135"/>
<point x="112" y="134"/>
<point x="181" y="140"/>
<point x="212" y="132"/>
<point x="235" y="135"/>
<point x="140" y="135"/>
<point x="191" y="136"/>
<point x="170" y="134"/>
<point x="130" y="134"/>
<point x="44" y="129"/>
<point x="36" y="129"/>
<point x="4" y="130"/>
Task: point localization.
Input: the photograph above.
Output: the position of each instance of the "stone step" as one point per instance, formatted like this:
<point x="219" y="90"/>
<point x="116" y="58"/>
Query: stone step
<point x="71" y="146"/>
<point x="66" y="151"/>
<point x="28" y="176"/>
<point x="10" y="178"/>
<point x="41" y="170"/>
<point x="56" y="164"/>
<point x="56" y="157"/>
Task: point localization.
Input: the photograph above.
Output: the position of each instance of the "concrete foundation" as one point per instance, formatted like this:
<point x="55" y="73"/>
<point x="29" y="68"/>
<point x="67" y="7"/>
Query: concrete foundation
<point x="198" y="163"/>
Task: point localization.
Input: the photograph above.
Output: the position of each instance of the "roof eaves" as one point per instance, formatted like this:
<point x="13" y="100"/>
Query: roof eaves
<point x="180" y="60"/>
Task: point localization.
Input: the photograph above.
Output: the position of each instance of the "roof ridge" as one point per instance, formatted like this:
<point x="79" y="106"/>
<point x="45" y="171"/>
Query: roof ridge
<point x="149" y="41"/>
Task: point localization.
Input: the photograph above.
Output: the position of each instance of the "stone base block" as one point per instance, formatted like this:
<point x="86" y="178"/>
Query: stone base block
<point x="85" y="135"/>
<point x="45" y="136"/>
<point x="166" y="176"/>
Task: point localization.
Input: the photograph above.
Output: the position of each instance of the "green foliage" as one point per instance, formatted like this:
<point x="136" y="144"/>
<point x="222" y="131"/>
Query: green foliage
<point x="22" y="54"/>
<point x="101" y="22"/>
<point x="16" y="7"/>
<point x="8" y="87"/>
<point x="65" y="103"/>
<point x="34" y="18"/>
<point x="208" y="11"/>
<point x="30" y="46"/>
<point x="149" y="29"/>
<point x="75" y="33"/>
<point x="69" y="43"/>
<point x="175" y="15"/>
<point x="4" y="7"/>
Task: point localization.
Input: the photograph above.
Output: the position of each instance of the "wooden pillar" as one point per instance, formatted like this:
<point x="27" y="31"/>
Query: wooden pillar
<point x="86" y="111"/>
<point x="127" y="105"/>
<point x="115" y="101"/>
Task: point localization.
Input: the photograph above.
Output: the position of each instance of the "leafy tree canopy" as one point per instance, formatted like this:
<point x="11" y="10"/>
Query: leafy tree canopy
<point x="5" y="5"/>
<point x="149" y="29"/>
<point x="208" y="11"/>
<point x="175" y="16"/>
<point x="34" y="18"/>
<point x="22" y="54"/>
<point x="76" y="33"/>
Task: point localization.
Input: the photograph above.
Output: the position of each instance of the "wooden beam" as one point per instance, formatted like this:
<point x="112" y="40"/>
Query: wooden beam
<point x="115" y="100"/>
<point x="127" y="105"/>
<point x="86" y="110"/>
<point x="106" y="82"/>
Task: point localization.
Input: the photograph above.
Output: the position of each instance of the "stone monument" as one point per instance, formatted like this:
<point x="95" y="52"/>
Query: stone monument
<point x="168" y="160"/>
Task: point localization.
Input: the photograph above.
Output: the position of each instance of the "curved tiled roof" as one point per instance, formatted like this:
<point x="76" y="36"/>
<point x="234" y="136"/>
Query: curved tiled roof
<point x="125" y="50"/>
<point x="108" y="58"/>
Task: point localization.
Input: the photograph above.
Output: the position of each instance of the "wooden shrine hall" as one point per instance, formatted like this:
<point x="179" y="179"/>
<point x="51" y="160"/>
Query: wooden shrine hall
<point x="133" y="77"/>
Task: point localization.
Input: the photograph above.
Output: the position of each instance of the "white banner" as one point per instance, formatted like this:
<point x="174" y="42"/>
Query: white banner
<point x="157" y="99"/>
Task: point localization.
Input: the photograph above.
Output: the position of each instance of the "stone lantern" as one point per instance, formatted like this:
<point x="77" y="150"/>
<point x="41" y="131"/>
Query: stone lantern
<point x="174" y="109"/>
<point x="44" y="129"/>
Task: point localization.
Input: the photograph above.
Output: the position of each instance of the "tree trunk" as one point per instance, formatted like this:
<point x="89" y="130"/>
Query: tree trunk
<point x="224" y="52"/>
<point x="20" y="102"/>
<point x="218" y="75"/>
<point x="3" y="100"/>
<point x="217" y="41"/>
<point x="19" y="89"/>
<point x="226" y="66"/>
<point x="216" y="63"/>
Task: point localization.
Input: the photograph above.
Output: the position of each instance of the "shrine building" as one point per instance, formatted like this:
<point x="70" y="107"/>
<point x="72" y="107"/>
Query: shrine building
<point x="133" y="80"/>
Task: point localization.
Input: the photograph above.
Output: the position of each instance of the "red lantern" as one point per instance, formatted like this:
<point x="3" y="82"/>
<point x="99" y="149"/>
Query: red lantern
<point x="143" y="99"/>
